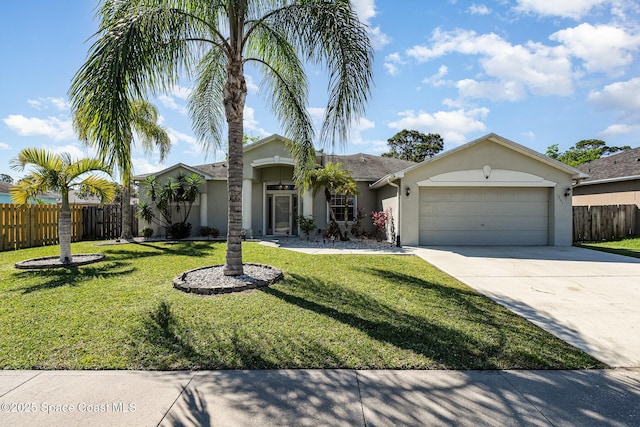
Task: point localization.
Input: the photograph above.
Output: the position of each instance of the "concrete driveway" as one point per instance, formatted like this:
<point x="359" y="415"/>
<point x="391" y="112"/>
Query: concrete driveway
<point x="588" y="298"/>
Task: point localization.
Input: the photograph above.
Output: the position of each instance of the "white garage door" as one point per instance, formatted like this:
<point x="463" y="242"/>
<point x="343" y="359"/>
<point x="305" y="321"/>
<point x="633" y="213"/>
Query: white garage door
<point x="484" y="216"/>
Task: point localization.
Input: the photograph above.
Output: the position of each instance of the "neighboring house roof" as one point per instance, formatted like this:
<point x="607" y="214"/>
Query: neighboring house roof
<point x="177" y="166"/>
<point x="575" y="173"/>
<point x="621" y="166"/>
<point x="4" y="187"/>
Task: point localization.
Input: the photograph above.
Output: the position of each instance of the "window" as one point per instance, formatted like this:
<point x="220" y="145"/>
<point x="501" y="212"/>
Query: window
<point x="339" y="208"/>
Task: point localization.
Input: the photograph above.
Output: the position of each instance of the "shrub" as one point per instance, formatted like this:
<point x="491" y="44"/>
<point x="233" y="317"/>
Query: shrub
<point x="380" y="219"/>
<point x="146" y="232"/>
<point x="179" y="230"/>
<point x="215" y="232"/>
<point x="307" y="224"/>
<point x="205" y="231"/>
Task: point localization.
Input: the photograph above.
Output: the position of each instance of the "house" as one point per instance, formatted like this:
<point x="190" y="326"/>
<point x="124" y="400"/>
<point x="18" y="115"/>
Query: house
<point x="490" y="191"/>
<point x="5" y="195"/>
<point x="613" y="180"/>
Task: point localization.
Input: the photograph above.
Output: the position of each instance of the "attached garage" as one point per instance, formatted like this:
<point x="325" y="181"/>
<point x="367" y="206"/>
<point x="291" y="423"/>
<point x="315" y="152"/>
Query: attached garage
<point x="484" y="216"/>
<point x="490" y="191"/>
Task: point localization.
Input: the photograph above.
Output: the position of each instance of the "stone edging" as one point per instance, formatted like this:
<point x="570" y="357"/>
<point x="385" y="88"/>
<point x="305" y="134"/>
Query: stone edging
<point x="214" y="282"/>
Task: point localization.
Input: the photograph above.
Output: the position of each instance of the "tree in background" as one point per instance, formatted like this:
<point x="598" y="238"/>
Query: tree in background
<point x="584" y="151"/>
<point x="6" y="178"/>
<point x="334" y="181"/>
<point x="414" y="146"/>
<point x="143" y="46"/>
<point x="177" y="194"/>
<point x="117" y="152"/>
<point x="58" y="173"/>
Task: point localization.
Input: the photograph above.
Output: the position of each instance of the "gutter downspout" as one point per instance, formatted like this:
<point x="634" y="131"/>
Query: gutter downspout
<point x="398" y="244"/>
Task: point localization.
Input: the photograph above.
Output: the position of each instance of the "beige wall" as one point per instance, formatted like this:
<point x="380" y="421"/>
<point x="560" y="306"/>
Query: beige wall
<point x="613" y="193"/>
<point x="496" y="156"/>
<point x="194" y="216"/>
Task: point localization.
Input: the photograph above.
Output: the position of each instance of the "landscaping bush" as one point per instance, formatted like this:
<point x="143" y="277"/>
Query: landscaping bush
<point x="205" y="231"/>
<point x="146" y="232"/>
<point x="215" y="232"/>
<point x="179" y="230"/>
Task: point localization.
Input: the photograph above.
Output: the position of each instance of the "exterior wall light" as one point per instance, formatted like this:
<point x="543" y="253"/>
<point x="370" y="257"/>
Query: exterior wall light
<point x="567" y="192"/>
<point x="407" y="191"/>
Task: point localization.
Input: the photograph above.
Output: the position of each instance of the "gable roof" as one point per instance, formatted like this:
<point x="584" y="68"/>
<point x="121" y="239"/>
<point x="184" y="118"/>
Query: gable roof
<point x="621" y="166"/>
<point x="575" y="173"/>
<point x="170" y="168"/>
<point x="365" y="167"/>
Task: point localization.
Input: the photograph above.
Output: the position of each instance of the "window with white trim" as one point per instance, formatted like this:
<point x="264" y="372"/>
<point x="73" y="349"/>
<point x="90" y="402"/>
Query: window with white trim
<point x="339" y="207"/>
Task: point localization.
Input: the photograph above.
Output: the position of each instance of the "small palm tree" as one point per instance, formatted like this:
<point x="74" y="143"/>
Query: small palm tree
<point x="59" y="173"/>
<point x="144" y="46"/>
<point x="333" y="180"/>
<point x="115" y="152"/>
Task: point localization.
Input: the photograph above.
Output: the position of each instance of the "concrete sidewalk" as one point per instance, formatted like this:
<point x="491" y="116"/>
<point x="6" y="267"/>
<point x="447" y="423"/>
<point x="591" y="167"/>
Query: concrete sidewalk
<point x="585" y="297"/>
<point x="320" y="397"/>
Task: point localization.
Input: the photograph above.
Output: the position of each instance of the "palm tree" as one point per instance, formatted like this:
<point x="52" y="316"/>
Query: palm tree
<point x="144" y="123"/>
<point x="333" y="180"/>
<point x="143" y="46"/>
<point x="59" y="173"/>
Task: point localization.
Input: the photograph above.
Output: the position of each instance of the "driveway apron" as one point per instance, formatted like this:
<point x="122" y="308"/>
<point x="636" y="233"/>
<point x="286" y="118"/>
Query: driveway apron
<point x="588" y="298"/>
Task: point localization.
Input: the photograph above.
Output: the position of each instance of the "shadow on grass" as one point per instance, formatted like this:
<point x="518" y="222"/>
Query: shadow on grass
<point x="74" y="276"/>
<point x="187" y="249"/>
<point x="618" y="251"/>
<point x="166" y="343"/>
<point x="471" y="332"/>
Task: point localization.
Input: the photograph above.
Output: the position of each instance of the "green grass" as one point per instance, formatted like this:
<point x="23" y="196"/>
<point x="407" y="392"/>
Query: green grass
<point x="627" y="247"/>
<point x="334" y="311"/>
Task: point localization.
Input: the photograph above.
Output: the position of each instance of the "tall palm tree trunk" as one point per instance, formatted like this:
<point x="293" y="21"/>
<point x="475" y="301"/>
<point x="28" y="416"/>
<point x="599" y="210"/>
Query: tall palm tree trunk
<point x="64" y="229"/>
<point x="126" y="200"/>
<point x="235" y="92"/>
<point x="126" y="212"/>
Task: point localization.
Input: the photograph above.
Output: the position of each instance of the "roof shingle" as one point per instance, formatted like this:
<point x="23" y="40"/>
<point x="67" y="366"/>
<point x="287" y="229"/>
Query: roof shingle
<point x="619" y="165"/>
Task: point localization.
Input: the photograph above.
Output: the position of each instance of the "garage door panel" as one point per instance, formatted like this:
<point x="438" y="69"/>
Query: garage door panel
<point x="498" y="222"/>
<point x="469" y="208"/>
<point x="487" y="216"/>
<point x="480" y="238"/>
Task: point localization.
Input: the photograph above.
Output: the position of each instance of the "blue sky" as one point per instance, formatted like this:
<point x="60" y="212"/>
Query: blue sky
<point x="538" y="72"/>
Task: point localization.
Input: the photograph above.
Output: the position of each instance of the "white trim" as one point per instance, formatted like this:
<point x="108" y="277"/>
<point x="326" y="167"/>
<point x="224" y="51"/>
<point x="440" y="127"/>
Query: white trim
<point x="486" y="177"/>
<point x="576" y="174"/>
<point x="354" y="206"/>
<point x="608" y="180"/>
<point x="275" y="160"/>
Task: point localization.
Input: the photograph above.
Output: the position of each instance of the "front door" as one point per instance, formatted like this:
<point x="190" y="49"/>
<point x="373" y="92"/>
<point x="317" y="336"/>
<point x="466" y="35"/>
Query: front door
<point x="282" y="214"/>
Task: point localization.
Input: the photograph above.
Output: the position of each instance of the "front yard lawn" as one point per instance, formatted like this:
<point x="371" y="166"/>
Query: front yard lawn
<point x="627" y="247"/>
<point x="333" y="311"/>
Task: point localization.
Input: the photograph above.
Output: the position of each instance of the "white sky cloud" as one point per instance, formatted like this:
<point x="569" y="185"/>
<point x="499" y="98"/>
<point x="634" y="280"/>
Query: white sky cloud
<point x="366" y="10"/>
<point x="60" y="104"/>
<point x="623" y="97"/>
<point x="620" y="129"/>
<point x="181" y="92"/>
<point x="541" y="69"/>
<point x="251" y="124"/>
<point x="4" y="146"/>
<point x="391" y="63"/>
<point x="436" y="79"/>
<point x="170" y="102"/>
<point x="453" y="126"/>
<point x="143" y="166"/>
<point x="604" y="48"/>
<point x="575" y="9"/>
<point x="252" y="87"/>
<point x="478" y="9"/>
<point x="51" y="127"/>
<point x="74" y="150"/>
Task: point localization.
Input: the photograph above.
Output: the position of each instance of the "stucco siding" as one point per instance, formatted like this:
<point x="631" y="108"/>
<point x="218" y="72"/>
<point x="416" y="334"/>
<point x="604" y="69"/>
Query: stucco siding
<point x="497" y="157"/>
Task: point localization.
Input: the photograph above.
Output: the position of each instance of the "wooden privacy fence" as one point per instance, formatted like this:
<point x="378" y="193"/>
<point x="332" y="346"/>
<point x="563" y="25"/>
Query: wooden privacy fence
<point x="35" y="225"/>
<point x="103" y="222"/>
<point x="597" y="223"/>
